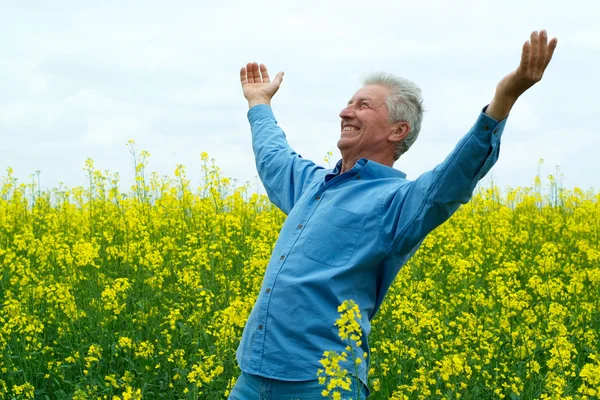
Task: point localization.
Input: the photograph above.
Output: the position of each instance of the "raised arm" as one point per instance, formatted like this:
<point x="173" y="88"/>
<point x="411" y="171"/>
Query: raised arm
<point x="283" y="172"/>
<point x="416" y="208"/>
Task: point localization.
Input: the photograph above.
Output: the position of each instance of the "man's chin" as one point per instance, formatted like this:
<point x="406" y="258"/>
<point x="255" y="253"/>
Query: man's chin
<point x="343" y="144"/>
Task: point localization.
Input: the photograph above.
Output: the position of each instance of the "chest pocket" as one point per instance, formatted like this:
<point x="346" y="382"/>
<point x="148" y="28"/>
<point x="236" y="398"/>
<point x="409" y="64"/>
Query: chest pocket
<point x="332" y="238"/>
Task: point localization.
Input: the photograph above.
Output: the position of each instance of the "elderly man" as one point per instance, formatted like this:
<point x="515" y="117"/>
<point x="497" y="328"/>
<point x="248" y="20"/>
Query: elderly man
<point x="349" y="230"/>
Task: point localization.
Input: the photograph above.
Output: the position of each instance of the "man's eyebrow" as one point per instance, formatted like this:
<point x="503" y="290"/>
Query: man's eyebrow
<point x="360" y="99"/>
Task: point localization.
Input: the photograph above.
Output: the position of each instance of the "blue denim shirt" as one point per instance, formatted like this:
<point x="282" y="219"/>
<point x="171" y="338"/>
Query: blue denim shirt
<point x="346" y="236"/>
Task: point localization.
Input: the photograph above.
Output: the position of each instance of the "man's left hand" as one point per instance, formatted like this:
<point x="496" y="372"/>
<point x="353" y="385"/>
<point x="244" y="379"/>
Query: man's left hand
<point x="536" y="55"/>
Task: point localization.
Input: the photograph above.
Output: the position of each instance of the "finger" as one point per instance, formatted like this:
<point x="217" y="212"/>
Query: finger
<point x="525" y="56"/>
<point x="543" y="49"/>
<point x="551" y="48"/>
<point x="535" y="50"/>
<point x="264" y="73"/>
<point x="250" y="73"/>
<point x="278" y="78"/>
<point x="256" y="73"/>
<point x="243" y="76"/>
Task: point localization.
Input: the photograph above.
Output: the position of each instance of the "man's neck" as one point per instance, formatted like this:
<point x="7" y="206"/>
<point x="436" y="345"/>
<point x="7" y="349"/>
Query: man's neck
<point x="348" y="163"/>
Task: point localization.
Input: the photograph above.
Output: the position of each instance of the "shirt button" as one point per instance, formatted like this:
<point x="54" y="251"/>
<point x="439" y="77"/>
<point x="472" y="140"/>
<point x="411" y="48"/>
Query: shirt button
<point x="260" y="327"/>
<point x="282" y="257"/>
<point x="268" y="290"/>
<point x="300" y="226"/>
<point x="357" y="176"/>
<point x="318" y="197"/>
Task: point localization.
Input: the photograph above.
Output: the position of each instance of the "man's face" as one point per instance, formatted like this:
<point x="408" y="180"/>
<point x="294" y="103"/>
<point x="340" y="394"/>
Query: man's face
<point x="365" y="124"/>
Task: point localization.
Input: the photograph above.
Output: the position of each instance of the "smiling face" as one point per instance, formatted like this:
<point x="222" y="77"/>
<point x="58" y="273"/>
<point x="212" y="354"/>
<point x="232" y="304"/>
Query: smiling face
<point x="366" y="130"/>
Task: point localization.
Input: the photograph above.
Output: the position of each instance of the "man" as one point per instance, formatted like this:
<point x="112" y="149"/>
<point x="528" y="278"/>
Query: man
<point x="349" y="230"/>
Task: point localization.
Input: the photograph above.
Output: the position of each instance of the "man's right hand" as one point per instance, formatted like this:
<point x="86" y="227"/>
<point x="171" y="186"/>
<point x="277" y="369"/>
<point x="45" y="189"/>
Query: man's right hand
<point x="257" y="86"/>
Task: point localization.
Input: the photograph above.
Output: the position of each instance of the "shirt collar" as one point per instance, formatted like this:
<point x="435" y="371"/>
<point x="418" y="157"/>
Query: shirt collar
<point x="370" y="169"/>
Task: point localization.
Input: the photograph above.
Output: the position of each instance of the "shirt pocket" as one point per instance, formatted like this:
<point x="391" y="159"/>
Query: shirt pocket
<point x="332" y="237"/>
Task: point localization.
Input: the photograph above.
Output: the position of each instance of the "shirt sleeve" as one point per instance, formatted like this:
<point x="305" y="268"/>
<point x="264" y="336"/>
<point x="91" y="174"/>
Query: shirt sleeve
<point x="417" y="207"/>
<point x="283" y="172"/>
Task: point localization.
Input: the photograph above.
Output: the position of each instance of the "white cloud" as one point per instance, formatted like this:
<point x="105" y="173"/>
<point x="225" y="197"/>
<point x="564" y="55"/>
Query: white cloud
<point x="81" y="81"/>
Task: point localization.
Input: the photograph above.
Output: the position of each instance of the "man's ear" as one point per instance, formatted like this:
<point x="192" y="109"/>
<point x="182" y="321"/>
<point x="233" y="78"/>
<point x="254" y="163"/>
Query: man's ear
<point x="401" y="130"/>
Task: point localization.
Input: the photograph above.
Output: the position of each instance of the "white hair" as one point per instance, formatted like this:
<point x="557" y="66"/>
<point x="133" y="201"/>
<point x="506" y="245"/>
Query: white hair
<point x="404" y="104"/>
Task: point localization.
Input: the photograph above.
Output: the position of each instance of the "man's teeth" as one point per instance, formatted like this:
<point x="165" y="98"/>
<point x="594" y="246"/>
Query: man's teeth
<point x="350" y="128"/>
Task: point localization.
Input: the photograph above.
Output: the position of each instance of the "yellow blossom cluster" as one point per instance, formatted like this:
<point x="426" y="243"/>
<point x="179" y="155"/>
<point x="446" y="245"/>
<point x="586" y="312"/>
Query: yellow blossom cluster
<point x="115" y="294"/>
<point x="348" y="323"/>
<point x="335" y="376"/>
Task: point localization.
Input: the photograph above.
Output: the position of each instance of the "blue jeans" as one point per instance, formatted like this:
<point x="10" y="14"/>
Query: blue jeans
<point x="253" y="387"/>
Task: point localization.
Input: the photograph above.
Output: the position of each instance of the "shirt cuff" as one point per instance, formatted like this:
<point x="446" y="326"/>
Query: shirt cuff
<point x="486" y="124"/>
<point x="259" y="112"/>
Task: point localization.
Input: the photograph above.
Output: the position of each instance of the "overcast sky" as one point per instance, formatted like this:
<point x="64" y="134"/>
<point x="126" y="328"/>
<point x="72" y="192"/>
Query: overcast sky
<point x="78" y="81"/>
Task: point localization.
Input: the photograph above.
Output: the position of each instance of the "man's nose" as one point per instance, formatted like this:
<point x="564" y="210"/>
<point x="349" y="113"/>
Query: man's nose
<point x="347" y="112"/>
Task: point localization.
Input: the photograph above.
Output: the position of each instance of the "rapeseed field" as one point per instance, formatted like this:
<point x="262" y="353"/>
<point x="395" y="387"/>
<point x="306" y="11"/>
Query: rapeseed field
<point x="144" y="294"/>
